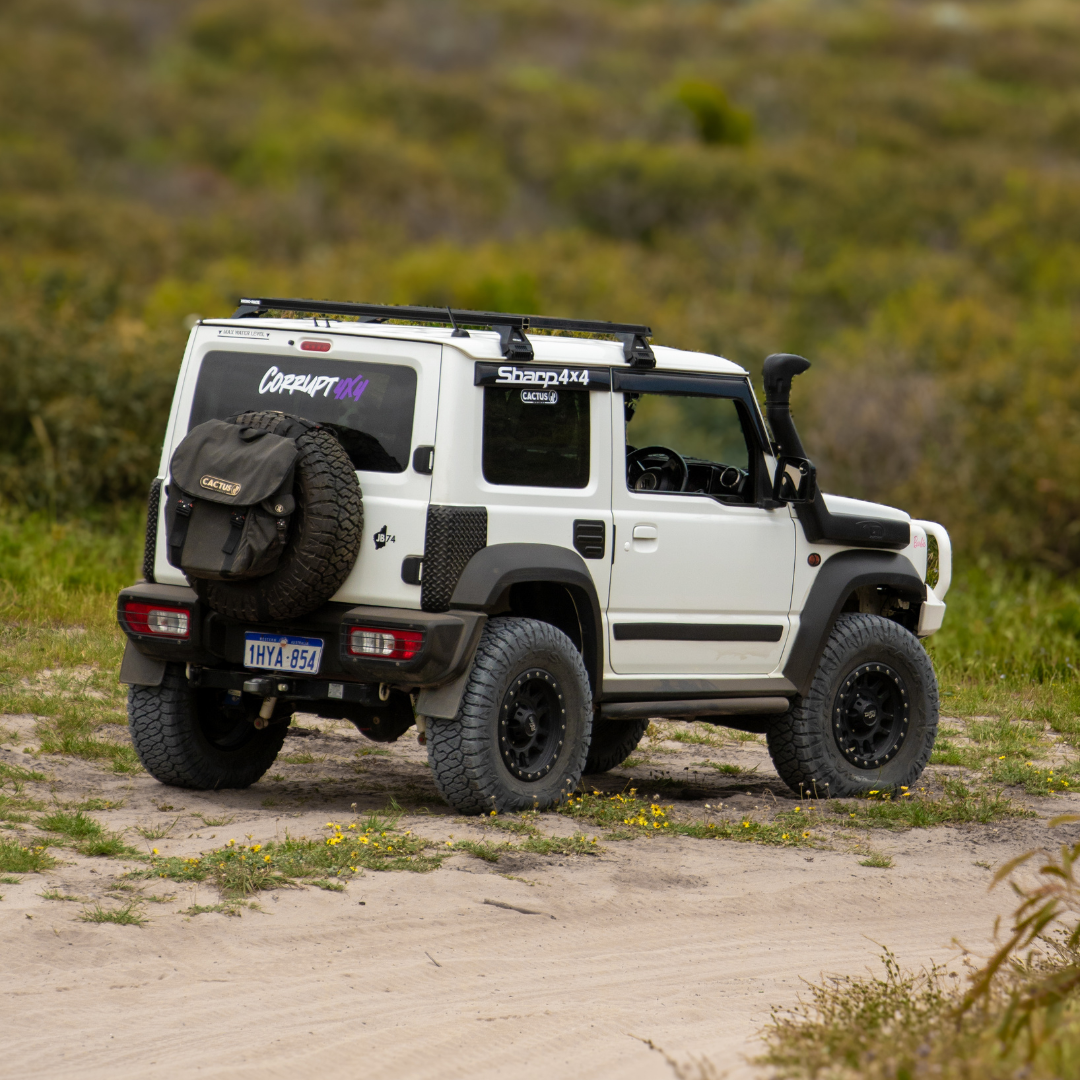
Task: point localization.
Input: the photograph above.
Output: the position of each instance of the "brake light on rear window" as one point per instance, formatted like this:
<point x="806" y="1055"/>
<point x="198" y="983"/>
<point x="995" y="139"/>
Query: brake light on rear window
<point x="157" y="619"/>
<point x="315" y="346"/>
<point x="384" y="643"/>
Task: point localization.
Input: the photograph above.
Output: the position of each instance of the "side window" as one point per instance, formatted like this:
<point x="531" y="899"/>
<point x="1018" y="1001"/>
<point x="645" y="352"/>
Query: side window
<point x="536" y="438"/>
<point x="688" y="443"/>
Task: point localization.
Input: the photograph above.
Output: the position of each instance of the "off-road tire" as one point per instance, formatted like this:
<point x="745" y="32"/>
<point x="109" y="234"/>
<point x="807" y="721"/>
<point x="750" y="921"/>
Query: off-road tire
<point x="613" y="741"/>
<point x="804" y="743"/>
<point x="172" y="728"/>
<point x="324" y="535"/>
<point x="467" y="754"/>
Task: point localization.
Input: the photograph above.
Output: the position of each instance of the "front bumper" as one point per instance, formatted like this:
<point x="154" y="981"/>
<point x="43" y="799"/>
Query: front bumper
<point x="216" y="644"/>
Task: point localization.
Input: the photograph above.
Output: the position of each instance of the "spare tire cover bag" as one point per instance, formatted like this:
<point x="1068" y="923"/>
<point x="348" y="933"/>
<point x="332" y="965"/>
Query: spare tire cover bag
<point x="324" y="531"/>
<point x="230" y="501"/>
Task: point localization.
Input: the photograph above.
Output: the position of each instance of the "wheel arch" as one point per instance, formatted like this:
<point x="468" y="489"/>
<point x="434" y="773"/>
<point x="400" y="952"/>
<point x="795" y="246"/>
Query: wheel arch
<point x="850" y="577"/>
<point x="540" y="581"/>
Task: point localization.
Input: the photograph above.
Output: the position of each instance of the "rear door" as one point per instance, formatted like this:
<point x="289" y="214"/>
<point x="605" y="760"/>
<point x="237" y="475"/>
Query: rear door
<point x="380" y="398"/>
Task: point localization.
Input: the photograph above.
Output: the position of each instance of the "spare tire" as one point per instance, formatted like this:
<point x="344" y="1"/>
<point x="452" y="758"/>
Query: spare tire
<point x="324" y="535"/>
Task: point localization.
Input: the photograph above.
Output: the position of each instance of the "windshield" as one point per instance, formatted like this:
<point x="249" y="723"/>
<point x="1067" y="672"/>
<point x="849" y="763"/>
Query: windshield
<point x="369" y="407"/>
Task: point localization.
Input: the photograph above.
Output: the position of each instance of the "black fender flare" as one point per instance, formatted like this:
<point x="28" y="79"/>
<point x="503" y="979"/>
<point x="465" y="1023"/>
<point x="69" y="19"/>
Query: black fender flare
<point x="838" y="577"/>
<point x="489" y="574"/>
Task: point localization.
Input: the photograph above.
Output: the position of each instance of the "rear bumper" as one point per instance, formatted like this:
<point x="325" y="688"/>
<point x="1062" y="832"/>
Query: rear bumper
<point x="216" y="644"/>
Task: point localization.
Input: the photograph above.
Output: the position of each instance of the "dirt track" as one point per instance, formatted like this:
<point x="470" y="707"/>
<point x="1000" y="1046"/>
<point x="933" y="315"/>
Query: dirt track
<point x="683" y="942"/>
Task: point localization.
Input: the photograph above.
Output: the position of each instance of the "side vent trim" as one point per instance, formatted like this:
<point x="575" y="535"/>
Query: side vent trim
<point x="454" y="535"/>
<point x="590" y="539"/>
<point x="150" y="550"/>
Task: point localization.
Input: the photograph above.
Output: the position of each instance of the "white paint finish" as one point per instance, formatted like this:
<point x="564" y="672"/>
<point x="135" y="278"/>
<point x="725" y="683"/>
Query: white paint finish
<point x="397" y="501"/>
<point x="932" y="528"/>
<point x="692" y="559"/>
<point x="516" y="514"/>
<point x="841" y="504"/>
<point x="484" y="344"/>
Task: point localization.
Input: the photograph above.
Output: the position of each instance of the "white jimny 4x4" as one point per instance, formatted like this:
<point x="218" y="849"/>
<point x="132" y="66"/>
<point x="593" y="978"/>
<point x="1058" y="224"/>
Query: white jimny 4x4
<point x="525" y="544"/>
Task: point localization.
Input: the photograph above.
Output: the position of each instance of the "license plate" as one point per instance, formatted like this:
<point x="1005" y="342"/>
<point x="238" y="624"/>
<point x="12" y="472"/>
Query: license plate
<point x="278" y="652"/>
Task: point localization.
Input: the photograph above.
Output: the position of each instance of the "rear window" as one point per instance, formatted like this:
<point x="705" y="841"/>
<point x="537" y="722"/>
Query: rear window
<point x="536" y="438"/>
<point x="369" y="407"/>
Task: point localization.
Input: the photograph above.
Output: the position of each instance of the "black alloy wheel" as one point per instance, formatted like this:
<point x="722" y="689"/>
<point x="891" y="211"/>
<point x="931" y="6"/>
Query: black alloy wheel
<point x="532" y="724"/>
<point x="201" y="738"/>
<point x="870" y="716"/>
<point x="522" y="732"/>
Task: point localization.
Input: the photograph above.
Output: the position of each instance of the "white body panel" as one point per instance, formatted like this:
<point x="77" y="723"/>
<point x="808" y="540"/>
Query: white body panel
<point x="692" y="559"/>
<point x="538" y="515"/>
<point x="395" y="504"/>
<point x="676" y="559"/>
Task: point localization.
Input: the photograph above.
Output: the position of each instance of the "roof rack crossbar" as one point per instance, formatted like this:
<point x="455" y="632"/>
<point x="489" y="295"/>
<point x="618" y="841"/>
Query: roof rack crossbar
<point x="511" y="328"/>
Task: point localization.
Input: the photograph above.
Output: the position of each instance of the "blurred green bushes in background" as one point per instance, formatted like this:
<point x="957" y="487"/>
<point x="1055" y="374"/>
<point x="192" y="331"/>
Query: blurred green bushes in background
<point x="887" y="188"/>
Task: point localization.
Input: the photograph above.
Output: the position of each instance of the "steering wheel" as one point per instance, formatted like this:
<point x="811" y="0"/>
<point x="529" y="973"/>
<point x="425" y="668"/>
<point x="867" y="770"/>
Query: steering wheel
<point x="656" y="468"/>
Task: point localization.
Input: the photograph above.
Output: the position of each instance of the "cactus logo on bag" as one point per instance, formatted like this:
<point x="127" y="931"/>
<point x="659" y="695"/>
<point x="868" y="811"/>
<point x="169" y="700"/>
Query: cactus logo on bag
<point x="214" y="483"/>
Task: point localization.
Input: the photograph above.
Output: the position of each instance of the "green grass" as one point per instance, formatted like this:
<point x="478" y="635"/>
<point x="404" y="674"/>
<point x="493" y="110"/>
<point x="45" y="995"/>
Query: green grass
<point x="109" y="846"/>
<point x="327" y="884"/>
<point x="88" y="836"/>
<point x="14" y="808"/>
<point x="128" y="915"/>
<point x="693" y="738"/>
<point x="920" y="810"/>
<point x="55" y="894"/>
<point x="77" y="826"/>
<point x="535" y="845"/>
<point x="226" y="907"/>
<point x="948" y="753"/>
<point x="16" y="858"/>
<point x="727" y="768"/>
<point x="156" y="832"/>
<point x="16" y="774"/>
<point x="628" y="816"/>
<point x="878" y="860"/>
<point x="240" y="870"/>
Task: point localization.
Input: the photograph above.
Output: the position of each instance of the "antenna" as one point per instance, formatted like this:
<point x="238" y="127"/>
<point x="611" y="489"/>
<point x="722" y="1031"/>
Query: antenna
<point x="457" y="332"/>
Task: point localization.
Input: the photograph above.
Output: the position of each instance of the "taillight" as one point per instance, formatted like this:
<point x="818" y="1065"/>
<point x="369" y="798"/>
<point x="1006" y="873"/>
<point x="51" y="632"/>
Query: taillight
<point x="384" y="644"/>
<point x="156" y="619"/>
<point x="315" y="346"/>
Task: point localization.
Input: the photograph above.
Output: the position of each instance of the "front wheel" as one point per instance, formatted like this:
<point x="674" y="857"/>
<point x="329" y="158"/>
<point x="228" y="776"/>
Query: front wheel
<point x="201" y="739"/>
<point x="870" y="719"/>
<point x="521" y="735"/>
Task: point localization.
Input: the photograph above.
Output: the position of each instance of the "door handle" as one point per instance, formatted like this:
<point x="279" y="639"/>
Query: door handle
<point x="645" y="532"/>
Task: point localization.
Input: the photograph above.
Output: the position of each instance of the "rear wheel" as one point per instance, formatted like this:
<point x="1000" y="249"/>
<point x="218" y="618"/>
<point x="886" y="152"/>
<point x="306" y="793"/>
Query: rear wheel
<point x="520" y="737"/>
<point x="613" y="741"/>
<point x="199" y="738"/>
<point x="870" y="719"/>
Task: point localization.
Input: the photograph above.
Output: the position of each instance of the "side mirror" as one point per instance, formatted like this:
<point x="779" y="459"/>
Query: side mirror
<point x="796" y="480"/>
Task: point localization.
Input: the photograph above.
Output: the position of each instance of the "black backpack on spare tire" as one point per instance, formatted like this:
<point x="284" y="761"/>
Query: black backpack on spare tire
<point x="264" y="515"/>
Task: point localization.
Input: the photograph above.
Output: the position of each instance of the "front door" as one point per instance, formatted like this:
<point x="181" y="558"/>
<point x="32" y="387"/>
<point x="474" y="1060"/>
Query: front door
<point x="702" y="575"/>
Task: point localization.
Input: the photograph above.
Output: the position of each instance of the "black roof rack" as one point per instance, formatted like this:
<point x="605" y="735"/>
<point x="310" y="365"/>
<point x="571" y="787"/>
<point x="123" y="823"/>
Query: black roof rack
<point x="510" y="328"/>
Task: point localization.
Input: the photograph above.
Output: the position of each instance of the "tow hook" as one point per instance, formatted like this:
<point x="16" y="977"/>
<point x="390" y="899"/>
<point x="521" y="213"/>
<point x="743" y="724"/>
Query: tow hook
<point x="268" y="691"/>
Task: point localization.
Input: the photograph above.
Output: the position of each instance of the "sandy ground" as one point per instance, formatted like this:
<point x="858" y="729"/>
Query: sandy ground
<point x="682" y="942"/>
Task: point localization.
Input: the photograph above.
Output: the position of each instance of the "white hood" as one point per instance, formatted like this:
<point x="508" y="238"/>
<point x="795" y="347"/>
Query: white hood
<point x="841" y="504"/>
